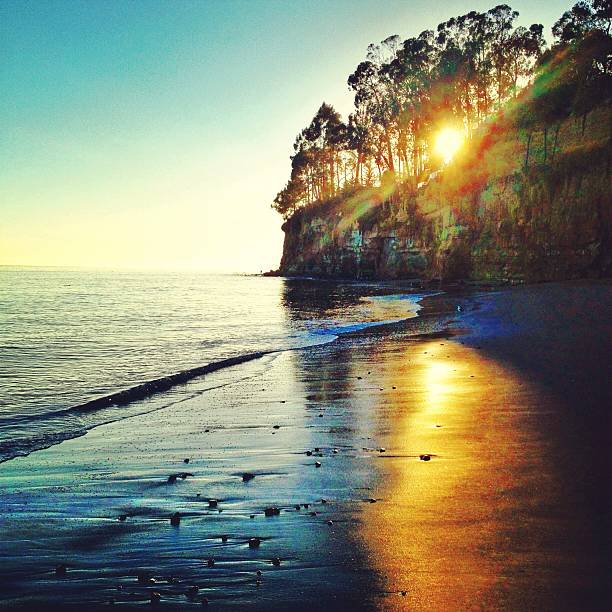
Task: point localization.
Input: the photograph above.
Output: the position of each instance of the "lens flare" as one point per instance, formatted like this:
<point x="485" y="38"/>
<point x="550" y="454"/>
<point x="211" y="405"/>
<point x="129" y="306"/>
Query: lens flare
<point x="447" y="143"/>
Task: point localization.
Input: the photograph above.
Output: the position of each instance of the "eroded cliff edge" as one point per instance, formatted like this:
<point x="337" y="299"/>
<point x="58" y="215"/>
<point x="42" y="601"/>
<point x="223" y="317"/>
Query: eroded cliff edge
<point x="518" y="205"/>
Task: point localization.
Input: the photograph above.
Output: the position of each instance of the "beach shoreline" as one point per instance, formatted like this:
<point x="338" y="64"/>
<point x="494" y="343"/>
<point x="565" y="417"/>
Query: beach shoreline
<point x="456" y="469"/>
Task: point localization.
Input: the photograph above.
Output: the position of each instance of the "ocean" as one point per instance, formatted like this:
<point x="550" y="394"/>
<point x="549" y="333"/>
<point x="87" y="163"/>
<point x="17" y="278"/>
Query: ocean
<point x="72" y="336"/>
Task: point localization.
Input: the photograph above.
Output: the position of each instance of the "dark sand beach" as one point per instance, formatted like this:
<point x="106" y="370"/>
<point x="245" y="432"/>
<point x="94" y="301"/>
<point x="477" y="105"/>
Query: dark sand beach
<point x="463" y="466"/>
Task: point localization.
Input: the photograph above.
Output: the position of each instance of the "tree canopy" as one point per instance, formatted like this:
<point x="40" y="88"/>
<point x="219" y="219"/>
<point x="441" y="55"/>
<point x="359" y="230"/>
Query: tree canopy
<point x="460" y="75"/>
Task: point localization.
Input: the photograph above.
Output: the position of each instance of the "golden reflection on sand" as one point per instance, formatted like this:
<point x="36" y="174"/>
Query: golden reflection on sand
<point x="447" y="532"/>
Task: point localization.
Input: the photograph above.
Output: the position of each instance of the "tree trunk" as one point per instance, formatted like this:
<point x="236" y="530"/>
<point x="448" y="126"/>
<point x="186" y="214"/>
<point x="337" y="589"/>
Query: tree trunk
<point x="527" y="153"/>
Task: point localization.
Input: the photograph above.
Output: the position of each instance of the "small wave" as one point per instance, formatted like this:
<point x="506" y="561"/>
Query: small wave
<point x="151" y="387"/>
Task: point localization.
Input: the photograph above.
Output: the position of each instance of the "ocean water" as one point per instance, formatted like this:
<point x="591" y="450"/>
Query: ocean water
<point x="68" y="337"/>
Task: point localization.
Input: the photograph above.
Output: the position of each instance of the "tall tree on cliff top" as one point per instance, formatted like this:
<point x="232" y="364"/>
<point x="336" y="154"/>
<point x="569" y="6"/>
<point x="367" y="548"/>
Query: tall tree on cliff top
<point x="405" y="92"/>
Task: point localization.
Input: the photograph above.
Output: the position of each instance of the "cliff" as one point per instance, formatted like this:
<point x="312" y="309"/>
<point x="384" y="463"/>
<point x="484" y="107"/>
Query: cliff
<point x="516" y="204"/>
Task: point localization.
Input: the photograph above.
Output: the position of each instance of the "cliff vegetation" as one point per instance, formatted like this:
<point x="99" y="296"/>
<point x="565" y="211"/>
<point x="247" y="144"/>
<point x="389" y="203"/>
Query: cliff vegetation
<point x="473" y="152"/>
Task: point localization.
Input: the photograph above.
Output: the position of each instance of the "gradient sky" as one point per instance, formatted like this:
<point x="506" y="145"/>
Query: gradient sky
<point x="156" y="134"/>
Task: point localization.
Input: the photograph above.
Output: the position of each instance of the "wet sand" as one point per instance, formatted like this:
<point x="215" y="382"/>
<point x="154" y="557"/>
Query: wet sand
<point x="508" y="513"/>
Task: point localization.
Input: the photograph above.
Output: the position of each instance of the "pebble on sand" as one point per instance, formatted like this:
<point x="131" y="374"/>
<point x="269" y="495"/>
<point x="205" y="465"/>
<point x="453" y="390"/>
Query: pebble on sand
<point x="382" y="450"/>
<point x="317" y="464"/>
<point x="308" y="453"/>
<point x="60" y="570"/>
<point x="425" y="457"/>
<point x="271" y="511"/>
<point x="144" y="578"/>
<point x="247" y="476"/>
<point x="224" y="538"/>
<point x="254" y="542"/>
<point x="213" y="503"/>
<point x="276" y="427"/>
<point x="123" y="517"/>
<point x="186" y="460"/>
<point x="210" y="562"/>
<point x="330" y="522"/>
<point x="175" y="519"/>
<point x="276" y="561"/>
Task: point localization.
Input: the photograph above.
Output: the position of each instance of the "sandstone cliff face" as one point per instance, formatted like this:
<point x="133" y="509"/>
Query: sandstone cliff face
<point x="494" y="217"/>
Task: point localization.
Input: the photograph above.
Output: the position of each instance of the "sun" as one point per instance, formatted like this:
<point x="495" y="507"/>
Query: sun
<point x="448" y="142"/>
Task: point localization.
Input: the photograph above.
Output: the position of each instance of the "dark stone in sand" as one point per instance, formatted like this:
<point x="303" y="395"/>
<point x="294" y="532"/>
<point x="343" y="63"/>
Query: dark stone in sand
<point x="276" y="561"/>
<point x="425" y="457"/>
<point x="372" y="500"/>
<point x="394" y="387"/>
<point x="60" y="570"/>
<point x="306" y="505"/>
<point x="297" y="506"/>
<point x="317" y="464"/>
<point x="359" y="378"/>
<point x="323" y="501"/>
<point x="320" y="415"/>
<point x="213" y="503"/>
<point x="247" y="476"/>
<point x="254" y="542"/>
<point x="210" y="562"/>
<point x="172" y="478"/>
<point x="175" y="519"/>
<point x="271" y="511"/>
<point x="252" y="516"/>
<point x="317" y="449"/>
<point x="335" y="451"/>
<point x="155" y="597"/>
<point x="259" y="572"/>
<point x="308" y="453"/>
<point x="313" y="513"/>
<point x="330" y="522"/>
<point x="123" y="517"/>
<point x="382" y="450"/>
<point x="276" y="427"/>
<point x="224" y="538"/>
<point x="186" y="460"/>
<point x="144" y="578"/>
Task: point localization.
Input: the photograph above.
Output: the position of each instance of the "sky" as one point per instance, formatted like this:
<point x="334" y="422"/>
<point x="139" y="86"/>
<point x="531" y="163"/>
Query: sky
<point x="150" y="134"/>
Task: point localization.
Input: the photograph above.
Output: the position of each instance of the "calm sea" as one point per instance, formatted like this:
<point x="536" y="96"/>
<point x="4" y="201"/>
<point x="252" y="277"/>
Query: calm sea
<point x="71" y="336"/>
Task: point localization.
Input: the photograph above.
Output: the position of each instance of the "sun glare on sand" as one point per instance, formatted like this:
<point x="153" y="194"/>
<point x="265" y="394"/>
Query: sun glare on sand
<point x="448" y="142"/>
